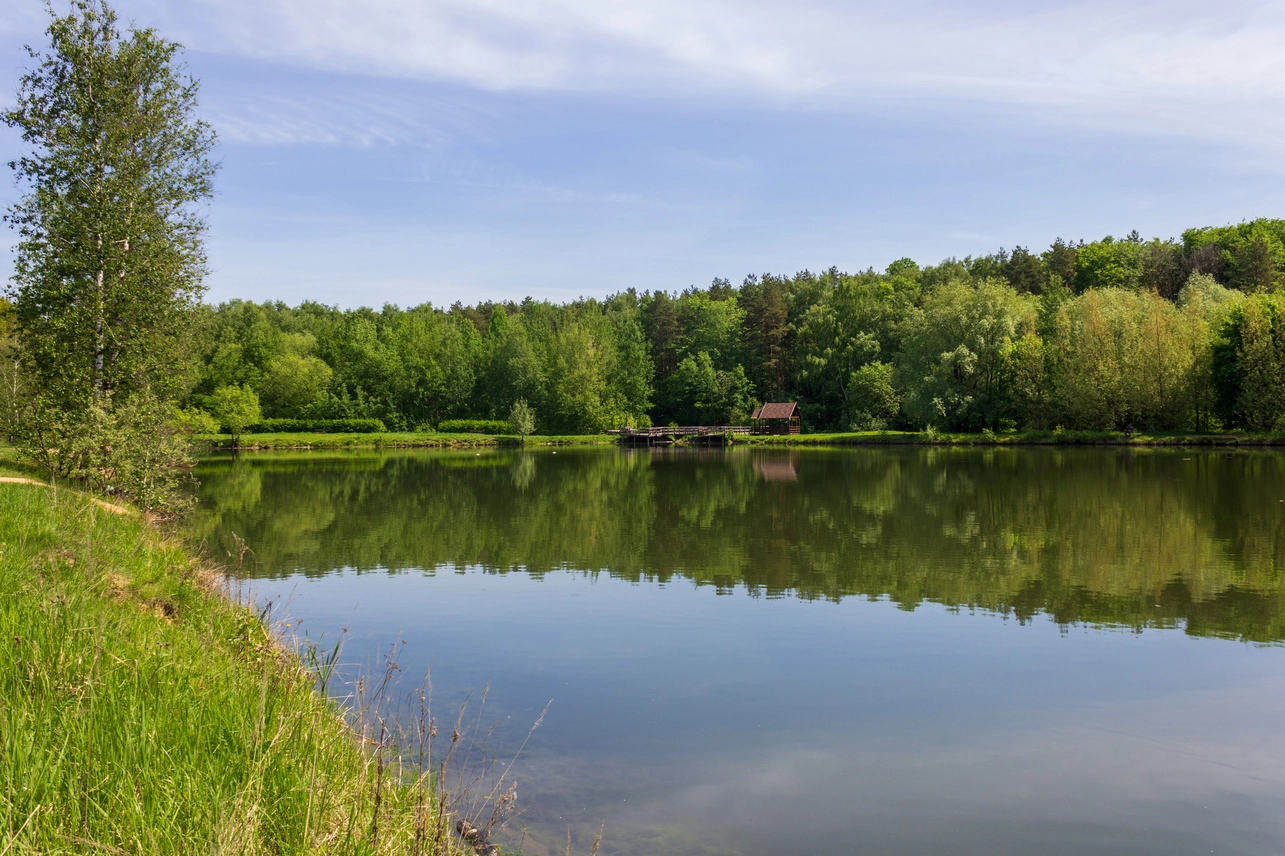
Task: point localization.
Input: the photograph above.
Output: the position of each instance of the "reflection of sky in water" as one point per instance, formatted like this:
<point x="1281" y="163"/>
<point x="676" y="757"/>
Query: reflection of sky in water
<point x="696" y="723"/>
<point x="810" y="718"/>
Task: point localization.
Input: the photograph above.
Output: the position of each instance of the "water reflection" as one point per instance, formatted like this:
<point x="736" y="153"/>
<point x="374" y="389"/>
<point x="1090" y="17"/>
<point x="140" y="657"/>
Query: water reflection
<point x="1136" y="539"/>
<point x="838" y="700"/>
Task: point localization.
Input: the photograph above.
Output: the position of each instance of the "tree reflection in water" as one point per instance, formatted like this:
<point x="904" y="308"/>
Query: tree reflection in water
<point x="1116" y="537"/>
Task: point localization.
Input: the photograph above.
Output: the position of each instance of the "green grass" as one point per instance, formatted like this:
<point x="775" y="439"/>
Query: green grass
<point x="142" y="711"/>
<point x="394" y="440"/>
<point x="13" y="464"/>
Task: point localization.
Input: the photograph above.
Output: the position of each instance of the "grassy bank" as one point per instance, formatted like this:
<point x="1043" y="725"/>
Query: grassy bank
<point x="393" y="440"/>
<point x="1018" y="438"/>
<point x="142" y="711"/>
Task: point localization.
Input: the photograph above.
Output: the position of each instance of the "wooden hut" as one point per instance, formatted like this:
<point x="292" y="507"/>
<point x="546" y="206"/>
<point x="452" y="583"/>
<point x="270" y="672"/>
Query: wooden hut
<point x="779" y="418"/>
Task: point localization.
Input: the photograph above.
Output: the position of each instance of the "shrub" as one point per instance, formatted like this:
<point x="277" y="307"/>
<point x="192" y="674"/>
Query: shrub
<point x="236" y="408"/>
<point x="132" y="449"/>
<point x="317" y="426"/>
<point x="475" y="426"/>
<point x="192" y="420"/>
<point x="522" y="419"/>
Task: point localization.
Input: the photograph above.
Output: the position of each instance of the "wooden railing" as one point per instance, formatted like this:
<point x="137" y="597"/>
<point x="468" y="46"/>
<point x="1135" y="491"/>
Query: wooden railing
<point x="681" y="431"/>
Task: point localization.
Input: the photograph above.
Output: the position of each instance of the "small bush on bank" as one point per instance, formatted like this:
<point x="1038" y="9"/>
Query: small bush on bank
<point x="317" y="426"/>
<point x="475" y="426"/>
<point x="132" y="449"/>
<point x="235" y="408"/>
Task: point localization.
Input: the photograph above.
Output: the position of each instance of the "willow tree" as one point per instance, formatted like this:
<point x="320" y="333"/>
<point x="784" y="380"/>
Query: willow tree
<point x="110" y="261"/>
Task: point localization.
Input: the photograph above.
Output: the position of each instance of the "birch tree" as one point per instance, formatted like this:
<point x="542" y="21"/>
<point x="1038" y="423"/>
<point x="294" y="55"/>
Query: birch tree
<point x="109" y="261"/>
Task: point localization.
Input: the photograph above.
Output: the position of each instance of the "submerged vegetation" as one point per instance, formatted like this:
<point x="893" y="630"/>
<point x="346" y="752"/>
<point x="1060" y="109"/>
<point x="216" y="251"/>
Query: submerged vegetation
<point x="1182" y="335"/>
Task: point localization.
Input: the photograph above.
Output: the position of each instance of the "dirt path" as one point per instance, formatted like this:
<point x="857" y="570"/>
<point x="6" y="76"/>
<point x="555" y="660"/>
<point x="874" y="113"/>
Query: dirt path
<point x="114" y="509"/>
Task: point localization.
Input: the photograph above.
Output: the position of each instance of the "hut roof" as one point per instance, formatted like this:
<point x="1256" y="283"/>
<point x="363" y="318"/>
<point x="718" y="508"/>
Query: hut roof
<point x="782" y="410"/>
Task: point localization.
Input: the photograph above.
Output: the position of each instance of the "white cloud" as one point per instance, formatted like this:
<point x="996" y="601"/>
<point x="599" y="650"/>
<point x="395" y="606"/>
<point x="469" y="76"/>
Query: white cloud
<point x="990" y="50"/>
<point x="1179" y="67"/>
<point x="1189" y="68"/>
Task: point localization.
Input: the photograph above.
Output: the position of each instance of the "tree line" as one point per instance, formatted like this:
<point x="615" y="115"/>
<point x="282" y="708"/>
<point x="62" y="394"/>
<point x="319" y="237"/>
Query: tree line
<point x="107" y="339"/>
<point x="1164" y="334"/>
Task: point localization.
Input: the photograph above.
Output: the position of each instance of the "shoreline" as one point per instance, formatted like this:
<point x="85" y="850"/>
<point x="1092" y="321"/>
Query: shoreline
<point x="1020" y="438"/>
<point x="388" y="440"/>
<point x="411" y="440"/>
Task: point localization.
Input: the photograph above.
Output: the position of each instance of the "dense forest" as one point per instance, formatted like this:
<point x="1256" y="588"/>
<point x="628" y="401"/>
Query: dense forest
<point x="1163" y="334"/>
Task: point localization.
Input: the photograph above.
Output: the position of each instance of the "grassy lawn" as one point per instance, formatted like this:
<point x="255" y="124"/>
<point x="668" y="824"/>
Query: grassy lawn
<point x="142" y="711"/>
<point x="12" y="465"/>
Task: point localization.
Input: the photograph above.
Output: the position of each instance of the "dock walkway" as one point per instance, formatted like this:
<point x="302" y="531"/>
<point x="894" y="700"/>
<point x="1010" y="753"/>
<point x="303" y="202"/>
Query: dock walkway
<point x="662" y="435"/>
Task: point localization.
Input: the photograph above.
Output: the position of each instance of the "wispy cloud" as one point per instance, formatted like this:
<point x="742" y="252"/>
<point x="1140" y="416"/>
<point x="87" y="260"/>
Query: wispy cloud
<point x="1213" y="71"/>
<point x="1180" y="64"/>
<point x="290" y="114"/>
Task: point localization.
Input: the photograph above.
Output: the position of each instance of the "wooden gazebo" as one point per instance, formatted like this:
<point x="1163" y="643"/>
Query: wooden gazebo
<point x="779" y="418"/>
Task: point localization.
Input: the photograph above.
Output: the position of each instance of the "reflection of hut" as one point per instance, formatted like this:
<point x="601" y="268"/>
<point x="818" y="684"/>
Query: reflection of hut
<point x="777" y="468"/>
<point x="781" y="418"/>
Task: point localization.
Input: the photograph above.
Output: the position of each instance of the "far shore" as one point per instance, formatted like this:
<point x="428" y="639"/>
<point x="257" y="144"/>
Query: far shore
<point x="387" y="440"/>
<point x="433" y="440"/>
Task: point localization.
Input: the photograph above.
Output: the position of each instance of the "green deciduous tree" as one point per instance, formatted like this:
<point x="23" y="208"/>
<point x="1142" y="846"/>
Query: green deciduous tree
<point x="236" y="408"/>
<point x="701" y="394"/>
<point x="1124" y="357"/>
<point x="522" y="419"/>
<point x="576" y="400"/>
<point x="873" y="397"/>
<point x="1262" y="364"/>
<point x="109" y="261"/>
<point x="1247" y="256"/>
<point x="955" y="359"/>
<point x="509" y="366"/>
<point x="294" y="382"/>
<point x="629" y="380"/>
<point x="854" y="323"/>
<point x="1109" y="264"/>
<point x="11" y="392"/>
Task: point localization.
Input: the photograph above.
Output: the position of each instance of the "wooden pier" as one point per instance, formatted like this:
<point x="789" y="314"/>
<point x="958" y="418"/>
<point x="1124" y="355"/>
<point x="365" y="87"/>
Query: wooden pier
<point x="777" y="418"/>
<point x="704" y="435"/>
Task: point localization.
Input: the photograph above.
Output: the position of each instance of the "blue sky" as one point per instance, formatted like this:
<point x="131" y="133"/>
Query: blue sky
<point x="412" y="150"/>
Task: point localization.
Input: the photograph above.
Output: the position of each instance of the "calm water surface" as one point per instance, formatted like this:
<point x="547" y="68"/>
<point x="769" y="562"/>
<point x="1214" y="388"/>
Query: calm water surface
<point x="820" y="651"/>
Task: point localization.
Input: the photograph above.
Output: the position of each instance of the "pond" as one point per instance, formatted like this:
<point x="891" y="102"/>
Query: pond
<point x="762" y="652"/>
